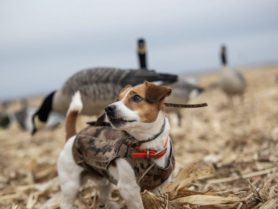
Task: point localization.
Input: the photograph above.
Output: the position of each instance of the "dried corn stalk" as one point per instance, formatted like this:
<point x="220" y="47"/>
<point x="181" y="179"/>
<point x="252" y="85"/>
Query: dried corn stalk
<point x="177" y="194"/>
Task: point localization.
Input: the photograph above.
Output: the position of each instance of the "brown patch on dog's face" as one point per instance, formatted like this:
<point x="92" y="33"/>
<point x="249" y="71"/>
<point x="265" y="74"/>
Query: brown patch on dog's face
<point x="123" y="92"/>
<point x="147" y="100"/>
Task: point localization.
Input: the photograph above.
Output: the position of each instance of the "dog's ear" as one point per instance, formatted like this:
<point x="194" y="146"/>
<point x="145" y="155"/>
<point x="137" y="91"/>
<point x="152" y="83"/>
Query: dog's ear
<point x="156" y="93"/>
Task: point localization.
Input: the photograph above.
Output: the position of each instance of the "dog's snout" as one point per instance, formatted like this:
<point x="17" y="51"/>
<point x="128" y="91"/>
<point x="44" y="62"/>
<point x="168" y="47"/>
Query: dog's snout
<point x="110" y="108"/>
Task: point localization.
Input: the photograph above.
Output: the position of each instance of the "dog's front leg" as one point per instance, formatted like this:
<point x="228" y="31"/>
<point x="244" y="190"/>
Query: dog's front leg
<point x="127" y="185"/>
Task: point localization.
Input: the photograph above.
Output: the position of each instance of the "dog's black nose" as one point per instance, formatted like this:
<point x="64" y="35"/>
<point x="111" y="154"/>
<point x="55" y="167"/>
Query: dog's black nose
<point x="110" y="108"/>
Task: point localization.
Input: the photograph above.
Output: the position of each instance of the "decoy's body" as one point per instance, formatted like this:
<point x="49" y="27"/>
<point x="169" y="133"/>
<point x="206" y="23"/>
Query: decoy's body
<point x="98" y="87"/>
<point x="231" y="82"/>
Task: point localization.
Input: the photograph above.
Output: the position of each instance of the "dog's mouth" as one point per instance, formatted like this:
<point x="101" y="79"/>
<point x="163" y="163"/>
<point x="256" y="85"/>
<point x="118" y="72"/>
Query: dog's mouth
<point x="120" y="120"/>
<point x="117" y="122"/>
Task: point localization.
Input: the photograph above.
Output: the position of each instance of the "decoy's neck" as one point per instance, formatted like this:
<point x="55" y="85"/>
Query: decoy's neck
<point x="223" y="56"/>
<point x="39" y="119"/>
<point x="45" y="108"/>
<point x="142" y="50"/>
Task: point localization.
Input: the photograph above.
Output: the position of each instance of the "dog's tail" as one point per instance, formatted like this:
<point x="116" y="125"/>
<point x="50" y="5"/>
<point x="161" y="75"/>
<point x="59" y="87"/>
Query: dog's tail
<point x="73" y="111"/>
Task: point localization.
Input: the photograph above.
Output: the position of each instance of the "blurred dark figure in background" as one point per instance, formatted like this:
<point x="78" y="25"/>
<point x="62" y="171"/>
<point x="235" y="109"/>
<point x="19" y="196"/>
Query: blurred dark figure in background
<point x="223" y="55"/>
<point x="142" y="54"/>
<point x="4" y="118"/>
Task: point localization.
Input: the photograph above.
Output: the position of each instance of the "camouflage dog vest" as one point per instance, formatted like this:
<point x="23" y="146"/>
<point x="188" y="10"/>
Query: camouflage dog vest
<point x="96" y="147"/>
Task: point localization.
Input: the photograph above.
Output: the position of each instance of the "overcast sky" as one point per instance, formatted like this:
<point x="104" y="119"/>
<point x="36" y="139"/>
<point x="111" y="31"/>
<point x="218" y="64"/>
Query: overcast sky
<point x="44" y="42"/>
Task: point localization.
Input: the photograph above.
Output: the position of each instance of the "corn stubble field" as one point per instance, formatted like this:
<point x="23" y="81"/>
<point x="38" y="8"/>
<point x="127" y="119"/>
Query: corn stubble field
<point x="226" y="156"/>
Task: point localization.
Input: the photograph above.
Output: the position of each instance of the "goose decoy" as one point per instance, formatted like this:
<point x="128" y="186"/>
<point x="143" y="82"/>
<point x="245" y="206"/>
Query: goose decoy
<point x="98" y="87"/>
<point x="231" y="82"/>
<point x="23" y="118"/>
<point x="182" y="90"/>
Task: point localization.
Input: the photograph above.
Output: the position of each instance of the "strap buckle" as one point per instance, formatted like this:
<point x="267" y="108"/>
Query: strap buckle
<point x="148" y="154"/>
<point x="154" y="157"/>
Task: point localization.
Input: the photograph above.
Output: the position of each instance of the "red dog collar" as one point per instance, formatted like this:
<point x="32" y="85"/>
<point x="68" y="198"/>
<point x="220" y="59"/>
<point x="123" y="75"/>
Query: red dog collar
<point x="151" y="153"/>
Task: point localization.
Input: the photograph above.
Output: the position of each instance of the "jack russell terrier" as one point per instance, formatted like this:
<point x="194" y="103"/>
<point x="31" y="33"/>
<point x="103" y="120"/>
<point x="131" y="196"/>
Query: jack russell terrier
<point x="135" y="153"/>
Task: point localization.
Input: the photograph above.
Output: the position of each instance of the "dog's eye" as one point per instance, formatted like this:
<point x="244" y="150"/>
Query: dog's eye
<point x="117" y="99"/>
<point x="136" y="98"/>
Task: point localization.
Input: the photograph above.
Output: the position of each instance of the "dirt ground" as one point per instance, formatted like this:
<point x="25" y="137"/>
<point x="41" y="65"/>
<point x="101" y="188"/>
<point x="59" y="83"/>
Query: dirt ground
<point x="238" y="141"/>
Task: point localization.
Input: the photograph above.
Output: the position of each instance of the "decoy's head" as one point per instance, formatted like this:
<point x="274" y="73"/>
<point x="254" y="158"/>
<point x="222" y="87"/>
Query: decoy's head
<point x="38" y="123"/>
<point x="39" y="119"/>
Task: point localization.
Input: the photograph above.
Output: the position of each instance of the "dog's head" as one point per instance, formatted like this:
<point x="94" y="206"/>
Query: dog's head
<point x="137" y="105"/>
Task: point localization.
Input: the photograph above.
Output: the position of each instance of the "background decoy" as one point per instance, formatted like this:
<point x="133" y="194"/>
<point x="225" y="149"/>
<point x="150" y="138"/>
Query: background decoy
<point x="182" y="90"/>
<point x="23" y="118"/>
<point x="98" y="87"/>
<point x="231" y="81"/>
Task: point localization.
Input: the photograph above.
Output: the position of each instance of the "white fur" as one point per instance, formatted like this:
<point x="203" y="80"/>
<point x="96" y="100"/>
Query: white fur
<point x="69" y="172"/>
<point x="76" y="102"/>
<point x="127" y="185"/>
<point x="69" y="175"/>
